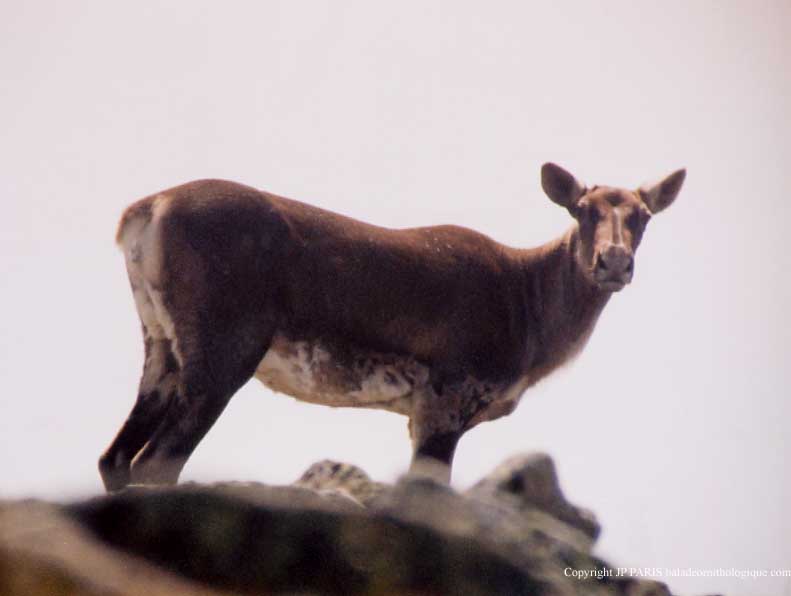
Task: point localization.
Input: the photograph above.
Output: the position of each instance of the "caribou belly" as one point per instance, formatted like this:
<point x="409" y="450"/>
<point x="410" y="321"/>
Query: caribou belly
<point x="309" y="371"/>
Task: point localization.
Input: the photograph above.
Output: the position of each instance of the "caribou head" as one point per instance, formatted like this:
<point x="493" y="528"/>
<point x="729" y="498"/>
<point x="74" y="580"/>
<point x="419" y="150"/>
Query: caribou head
<point x="611" y="221"/>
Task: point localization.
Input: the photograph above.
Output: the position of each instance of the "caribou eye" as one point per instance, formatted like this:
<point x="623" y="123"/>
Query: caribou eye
<point x="633" y="220"/>
<point x="593" y="214"/>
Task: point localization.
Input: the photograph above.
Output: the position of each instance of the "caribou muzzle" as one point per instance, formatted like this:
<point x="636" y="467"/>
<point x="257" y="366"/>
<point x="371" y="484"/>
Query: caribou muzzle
<point x="613" y="268"/>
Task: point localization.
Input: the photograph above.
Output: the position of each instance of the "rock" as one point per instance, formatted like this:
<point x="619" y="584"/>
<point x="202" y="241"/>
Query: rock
<point x="328" y="475"/>
<point x="532" y="481"/>
<point x="235" y="545"/>
<point x="44" y="552"/>
<point x="646" y="588"/>
<point x="334" y="531"/>
<point x="295" y="496"/>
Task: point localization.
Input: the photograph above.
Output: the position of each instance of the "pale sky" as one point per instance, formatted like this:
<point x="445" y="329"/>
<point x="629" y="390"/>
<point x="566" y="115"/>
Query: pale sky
<point x="671" y="425"/>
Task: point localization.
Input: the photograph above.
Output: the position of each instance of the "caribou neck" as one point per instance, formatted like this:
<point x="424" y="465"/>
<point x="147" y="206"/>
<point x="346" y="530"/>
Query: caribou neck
<point x="562" y="303"/>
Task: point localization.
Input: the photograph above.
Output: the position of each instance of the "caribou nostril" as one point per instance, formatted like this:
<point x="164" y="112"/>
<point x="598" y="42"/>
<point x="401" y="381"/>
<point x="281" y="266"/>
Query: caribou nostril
<point x="630" y="265"/>
<point x="601" y="264"/>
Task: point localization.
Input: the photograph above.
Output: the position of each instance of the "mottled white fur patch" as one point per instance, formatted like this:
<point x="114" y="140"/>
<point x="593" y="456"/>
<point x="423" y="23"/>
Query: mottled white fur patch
<point x="142" y="248"/>
<point x="309" y="372"/>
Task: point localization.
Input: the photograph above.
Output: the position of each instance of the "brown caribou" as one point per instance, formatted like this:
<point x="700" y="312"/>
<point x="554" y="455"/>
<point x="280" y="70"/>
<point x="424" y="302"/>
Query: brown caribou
<point x="441" y="324"/>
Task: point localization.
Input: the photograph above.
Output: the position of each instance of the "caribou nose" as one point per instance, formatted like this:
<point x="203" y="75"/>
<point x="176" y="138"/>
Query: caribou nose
<point x="615" y="262"/>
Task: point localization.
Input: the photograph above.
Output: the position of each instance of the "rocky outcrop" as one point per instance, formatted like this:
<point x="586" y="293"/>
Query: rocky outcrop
<point x="334" y="531"/>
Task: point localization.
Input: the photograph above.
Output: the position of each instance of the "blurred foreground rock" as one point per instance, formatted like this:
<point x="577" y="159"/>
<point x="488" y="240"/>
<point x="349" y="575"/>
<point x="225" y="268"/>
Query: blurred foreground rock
<point x="333" y="532"/>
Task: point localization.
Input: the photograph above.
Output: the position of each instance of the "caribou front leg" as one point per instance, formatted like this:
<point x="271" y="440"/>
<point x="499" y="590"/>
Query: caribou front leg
<point x="435" y="427"/>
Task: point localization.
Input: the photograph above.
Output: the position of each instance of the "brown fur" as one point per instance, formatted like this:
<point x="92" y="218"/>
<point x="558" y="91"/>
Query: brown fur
<point x="239" y="266"/>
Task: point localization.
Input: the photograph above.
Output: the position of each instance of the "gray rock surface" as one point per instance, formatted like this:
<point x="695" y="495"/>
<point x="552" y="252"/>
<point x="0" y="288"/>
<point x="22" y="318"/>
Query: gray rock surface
<point x="334" y="531"/>
<point x="531" y="482"/>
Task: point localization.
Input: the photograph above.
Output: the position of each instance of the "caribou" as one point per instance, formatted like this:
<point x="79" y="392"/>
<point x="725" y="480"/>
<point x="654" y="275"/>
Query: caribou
<point x="441" y="324"/>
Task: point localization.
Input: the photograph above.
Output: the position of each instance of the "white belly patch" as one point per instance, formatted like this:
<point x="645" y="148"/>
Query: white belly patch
<point x="308" y="371"/>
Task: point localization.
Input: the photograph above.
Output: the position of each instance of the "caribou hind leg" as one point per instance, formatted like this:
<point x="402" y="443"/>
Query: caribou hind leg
<point x="179" y="400"/>
<point x="199" y="351"/>
<point x="219" y="351"/>
<point x="157" y="388"/>
<point x="212" y="372"/>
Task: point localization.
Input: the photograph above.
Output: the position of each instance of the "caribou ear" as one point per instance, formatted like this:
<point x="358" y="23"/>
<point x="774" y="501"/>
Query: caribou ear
<point x="560" y="186"/>
<point x="660" y="195"/>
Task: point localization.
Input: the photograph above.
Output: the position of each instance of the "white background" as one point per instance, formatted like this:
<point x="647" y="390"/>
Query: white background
<point x="672" y="424"/>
